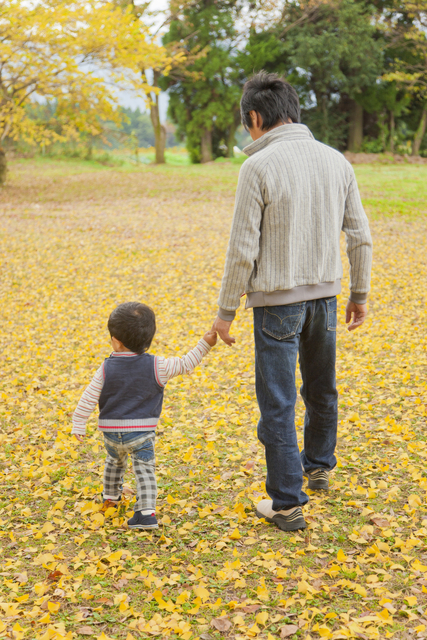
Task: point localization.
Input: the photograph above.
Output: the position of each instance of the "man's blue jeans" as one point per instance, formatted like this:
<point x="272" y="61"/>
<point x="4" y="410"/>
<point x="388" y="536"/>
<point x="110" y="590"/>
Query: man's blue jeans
<point x="307" y="329"/>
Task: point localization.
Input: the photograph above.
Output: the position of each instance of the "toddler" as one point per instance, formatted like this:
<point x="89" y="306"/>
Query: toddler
<point x="129" y="388"/>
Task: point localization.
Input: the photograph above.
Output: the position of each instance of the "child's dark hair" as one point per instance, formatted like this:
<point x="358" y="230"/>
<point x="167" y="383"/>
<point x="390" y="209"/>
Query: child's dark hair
<point x="272" y="97"/>
<point x="134" y="324"/>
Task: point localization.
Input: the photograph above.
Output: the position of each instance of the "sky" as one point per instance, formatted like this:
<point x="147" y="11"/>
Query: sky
<point x="128" y="99"/>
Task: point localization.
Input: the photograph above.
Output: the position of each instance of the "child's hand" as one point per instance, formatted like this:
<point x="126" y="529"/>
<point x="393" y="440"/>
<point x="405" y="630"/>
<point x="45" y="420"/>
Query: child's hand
<point x="210" y="337"/>
<point x="79" y="437"/>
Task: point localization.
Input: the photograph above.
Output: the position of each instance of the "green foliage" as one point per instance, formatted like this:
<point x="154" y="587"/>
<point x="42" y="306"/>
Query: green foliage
<point x="333" y="54"/>
<point x="205" y="91"/>
<point x="385" y="95"/>
<point x="263" y="50"/>
<point x="137" y="125"/>
<point x="339" y="54"/>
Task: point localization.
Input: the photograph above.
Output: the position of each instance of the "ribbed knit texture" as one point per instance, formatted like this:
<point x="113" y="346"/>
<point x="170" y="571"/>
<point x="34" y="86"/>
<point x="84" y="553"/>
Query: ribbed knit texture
<point x="294" y="197"/>
<point x="131" y="397"/>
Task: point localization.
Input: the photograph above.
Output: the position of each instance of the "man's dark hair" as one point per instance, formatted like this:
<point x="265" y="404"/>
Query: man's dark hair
<point x="134" y="324"/>
<point x="272" y="97"/>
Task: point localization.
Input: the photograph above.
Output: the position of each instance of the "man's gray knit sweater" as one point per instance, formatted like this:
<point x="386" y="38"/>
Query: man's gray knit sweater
<point x="294" y="197"/>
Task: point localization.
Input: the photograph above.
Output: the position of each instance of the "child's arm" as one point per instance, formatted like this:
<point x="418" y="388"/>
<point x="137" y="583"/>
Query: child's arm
<point x="167" y="368"/>
<point x="87" y="404"/>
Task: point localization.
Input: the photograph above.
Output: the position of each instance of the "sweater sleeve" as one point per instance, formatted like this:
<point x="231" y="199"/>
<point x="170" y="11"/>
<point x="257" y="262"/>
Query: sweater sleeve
<point x="359" y="244"/>
<point x="88" y="402"/>
<point x="243" y="246"/>
<point x="167" y="368"/>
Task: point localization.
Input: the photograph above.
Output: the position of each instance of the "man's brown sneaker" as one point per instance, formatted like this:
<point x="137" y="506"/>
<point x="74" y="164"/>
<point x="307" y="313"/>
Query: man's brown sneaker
<point x="289" y="520"/>
<point x="318" y="479"/>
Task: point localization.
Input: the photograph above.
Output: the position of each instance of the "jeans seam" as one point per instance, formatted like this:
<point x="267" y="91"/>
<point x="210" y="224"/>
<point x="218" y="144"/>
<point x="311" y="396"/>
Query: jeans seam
<point x="331" y="313"/>
<point x="312" y="317"/>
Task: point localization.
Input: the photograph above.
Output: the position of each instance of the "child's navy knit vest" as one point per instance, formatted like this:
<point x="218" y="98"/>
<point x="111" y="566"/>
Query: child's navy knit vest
<point x="131" y="398"/>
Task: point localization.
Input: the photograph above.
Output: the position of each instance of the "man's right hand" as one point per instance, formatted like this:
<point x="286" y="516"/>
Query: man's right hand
<point x="355" y="314"/>
<point x="222" y="327"/>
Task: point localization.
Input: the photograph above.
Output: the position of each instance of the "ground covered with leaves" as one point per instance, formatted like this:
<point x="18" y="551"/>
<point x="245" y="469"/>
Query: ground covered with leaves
<point x="78" y="239"/>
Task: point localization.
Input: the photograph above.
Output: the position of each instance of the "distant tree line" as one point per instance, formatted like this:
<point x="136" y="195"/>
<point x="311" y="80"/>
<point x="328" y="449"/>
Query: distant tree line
<point x="132" y="129"/>
<point x="137" y="126"/>
<point x="360" y="68"/>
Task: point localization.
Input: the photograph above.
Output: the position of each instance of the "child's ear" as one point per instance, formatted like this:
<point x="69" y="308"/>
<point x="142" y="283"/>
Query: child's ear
<point x="116" y="343"/>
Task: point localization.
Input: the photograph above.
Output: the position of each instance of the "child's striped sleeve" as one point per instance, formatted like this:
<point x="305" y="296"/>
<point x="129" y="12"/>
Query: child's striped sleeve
<point x="167" y="368"/>
<point x="88" y="402"/>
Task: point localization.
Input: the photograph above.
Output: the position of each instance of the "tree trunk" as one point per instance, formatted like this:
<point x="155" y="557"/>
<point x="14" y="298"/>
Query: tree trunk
<point x="3" y="166"/>
<point x="420" y="132"/>
<point x="392" y="131"/>
<point x="206" y="146"/>
<point x="355" y="132"/>
<point x="159" y="132"/>
<point x="382" y="119"/>
<point x="159" y="129"/>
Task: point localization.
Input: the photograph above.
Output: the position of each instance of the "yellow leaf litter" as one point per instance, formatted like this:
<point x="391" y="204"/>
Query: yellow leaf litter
<point x="77" y="240"/>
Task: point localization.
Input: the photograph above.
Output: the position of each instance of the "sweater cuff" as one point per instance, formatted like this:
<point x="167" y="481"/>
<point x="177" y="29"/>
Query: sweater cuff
<point x="226" y="315"/>
<point x="358" y="298"/>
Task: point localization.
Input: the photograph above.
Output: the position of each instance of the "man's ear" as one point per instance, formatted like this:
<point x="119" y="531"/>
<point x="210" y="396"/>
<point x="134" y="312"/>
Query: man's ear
<point x="256" y="119"/>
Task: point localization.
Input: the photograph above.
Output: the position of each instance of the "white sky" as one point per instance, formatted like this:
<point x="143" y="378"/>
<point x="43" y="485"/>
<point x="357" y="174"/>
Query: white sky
<point x="128" y="99"/>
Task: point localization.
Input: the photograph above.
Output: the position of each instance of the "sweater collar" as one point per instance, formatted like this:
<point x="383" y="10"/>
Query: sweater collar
<point x="284" y="133"/>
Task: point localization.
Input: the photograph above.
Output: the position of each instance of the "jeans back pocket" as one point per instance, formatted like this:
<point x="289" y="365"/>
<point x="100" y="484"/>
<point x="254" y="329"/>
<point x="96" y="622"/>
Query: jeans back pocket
<point x="282" y="322"/>
<point x="331" y="304"/>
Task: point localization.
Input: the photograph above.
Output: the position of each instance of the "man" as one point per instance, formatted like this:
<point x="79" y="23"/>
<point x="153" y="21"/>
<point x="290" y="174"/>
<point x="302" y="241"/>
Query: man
<point x="294" y="197"/>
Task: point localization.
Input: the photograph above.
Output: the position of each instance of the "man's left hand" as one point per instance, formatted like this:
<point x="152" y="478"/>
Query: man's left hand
<point x="222" y="327"/>
<point x="355" y="314"/>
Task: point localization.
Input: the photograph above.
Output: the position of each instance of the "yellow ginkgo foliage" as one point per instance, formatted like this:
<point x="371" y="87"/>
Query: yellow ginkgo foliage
<point x="62" y="54"/>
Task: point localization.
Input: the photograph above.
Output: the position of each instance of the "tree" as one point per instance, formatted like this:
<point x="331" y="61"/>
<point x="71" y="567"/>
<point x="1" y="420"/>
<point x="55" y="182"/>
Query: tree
<point x="151" y="73"/>
<point x="63" y="52"/>
<point x="205" y="90"/>
<point x="330" y="47"/>
<point x="408" y="25"/>
<point x="388" y="101"/>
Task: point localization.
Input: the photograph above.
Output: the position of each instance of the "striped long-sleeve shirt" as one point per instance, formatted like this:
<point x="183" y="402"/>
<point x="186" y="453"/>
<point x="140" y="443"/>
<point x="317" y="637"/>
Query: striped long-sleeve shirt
<point x="164" y="369"/>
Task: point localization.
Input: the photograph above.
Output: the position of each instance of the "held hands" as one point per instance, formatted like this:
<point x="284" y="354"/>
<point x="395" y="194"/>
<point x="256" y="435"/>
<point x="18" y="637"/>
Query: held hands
<point x="355" y="314"/>
<point x="210" y="337"/>
<point x="222" y="327"/>
<point x="79" y="437"/>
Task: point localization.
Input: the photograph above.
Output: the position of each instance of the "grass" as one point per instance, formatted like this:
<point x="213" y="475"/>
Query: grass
<point x="386" y="190"/>
<point x="393" y="189"/>
<point x="77" y="238"/>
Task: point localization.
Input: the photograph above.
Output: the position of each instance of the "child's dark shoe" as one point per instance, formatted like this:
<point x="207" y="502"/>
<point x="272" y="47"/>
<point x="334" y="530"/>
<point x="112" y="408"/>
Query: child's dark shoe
<point x="110" y="503"/>
<point x="138" y="521"/>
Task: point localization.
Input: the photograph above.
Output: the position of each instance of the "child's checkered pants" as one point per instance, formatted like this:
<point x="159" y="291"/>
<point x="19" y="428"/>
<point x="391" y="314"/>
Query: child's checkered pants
<point x="140" y="446"/>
